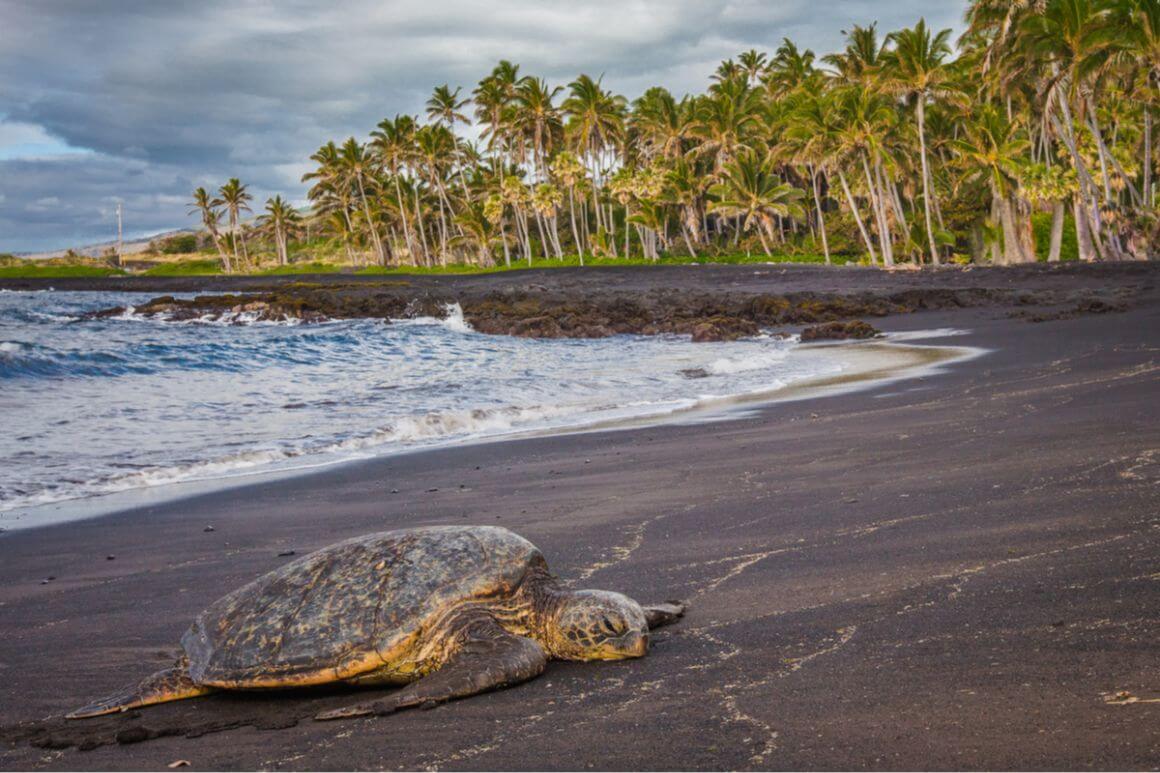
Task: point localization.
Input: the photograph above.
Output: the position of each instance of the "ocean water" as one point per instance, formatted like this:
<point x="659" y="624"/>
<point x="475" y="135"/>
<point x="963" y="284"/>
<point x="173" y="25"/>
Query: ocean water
<point x="93" y="407"/>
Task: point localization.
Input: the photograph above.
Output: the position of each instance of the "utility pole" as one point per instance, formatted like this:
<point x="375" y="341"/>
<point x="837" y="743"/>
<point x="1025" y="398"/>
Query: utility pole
<point x="120" y="260"/>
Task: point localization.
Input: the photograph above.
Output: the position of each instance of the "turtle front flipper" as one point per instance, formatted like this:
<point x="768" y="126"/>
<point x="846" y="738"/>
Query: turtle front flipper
<point x="172" y="684"/>
<point x="667" y="613"/>
<point x="490" y="658"/>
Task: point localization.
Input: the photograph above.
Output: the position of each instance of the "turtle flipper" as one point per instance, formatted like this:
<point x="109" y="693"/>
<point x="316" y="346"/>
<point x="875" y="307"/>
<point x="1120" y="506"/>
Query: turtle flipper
<point x="491" y="658"/>
<point x="172" y="684"/>
<point x="664" y="614"/>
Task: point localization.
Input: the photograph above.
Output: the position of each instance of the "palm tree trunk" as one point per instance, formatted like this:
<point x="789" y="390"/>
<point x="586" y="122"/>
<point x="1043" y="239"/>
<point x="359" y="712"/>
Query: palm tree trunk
<point x="858" y="218"/>
<point x="507" y="255"/>
<point x="245" y="251"/>
<point x="584" y="225"/>
<point x="884" y="239"/>
<point x="821" y="217"/>
<point x="349" y="231"/>
<point x="370" y="221"/>
<point x="1012" y="251"/>
<point x="764" y="244"/>
<point x="544" y="244"/>
<point x="403" y="214"/>
<point x="926" y="192"/>
<point x="572" y="214"/>
<point x="1149" y="197"/>
<point x="217" y="242"/>
<point x="422" y="230"/>
<point x="1083" y="234"/>
<point x="1057" y="217"/>
<point x="627" y="253"/>
<point x="1089" y="203"/>
<point x="688" y="242"/>
<point x="1093" y="122"/>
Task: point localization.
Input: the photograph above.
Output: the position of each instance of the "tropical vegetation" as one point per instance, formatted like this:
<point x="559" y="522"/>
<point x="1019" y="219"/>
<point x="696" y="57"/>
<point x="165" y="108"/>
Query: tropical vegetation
<point x="1028" y="137"/>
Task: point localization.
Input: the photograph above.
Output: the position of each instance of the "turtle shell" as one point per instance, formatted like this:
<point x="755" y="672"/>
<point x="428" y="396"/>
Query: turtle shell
<point x="342" y="610"/>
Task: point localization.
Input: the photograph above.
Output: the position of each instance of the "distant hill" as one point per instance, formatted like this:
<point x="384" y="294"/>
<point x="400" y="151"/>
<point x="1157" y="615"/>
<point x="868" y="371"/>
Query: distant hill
<point x="128" y="247"/>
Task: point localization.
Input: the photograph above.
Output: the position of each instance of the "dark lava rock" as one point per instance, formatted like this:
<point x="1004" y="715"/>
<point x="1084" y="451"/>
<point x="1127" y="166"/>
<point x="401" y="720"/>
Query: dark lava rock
<point x="695" y="373"/>
<point x="537" y="327"/>
<point x="723" y="329"/>
<point x="856" y="330"/>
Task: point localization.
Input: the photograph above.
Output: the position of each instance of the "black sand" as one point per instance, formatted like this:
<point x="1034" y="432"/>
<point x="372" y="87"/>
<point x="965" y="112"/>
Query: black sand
<point x="957" y="572"/>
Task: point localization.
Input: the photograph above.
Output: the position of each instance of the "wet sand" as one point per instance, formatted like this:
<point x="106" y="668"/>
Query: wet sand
<point x="955" y="571"/>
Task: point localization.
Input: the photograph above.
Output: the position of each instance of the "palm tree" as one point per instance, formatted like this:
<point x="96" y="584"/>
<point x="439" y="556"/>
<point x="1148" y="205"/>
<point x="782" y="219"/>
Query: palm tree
<point x="280" y="221"/>
<point x="478" y="230"/>
<point x="864" y="120"/>
<point x="916" y="68"/>
<point x="569" y="171"/>
<point x="444" y="106"/>
<point x="1073" y="41"/>
<point x="661" y="123"/>
<point x="791" y="67"/>
<point x="435" y="148"/>
<point x="811" y="139"/>
<point x="596" y="124"/>
<point x="536" y="120"/>
<point x="1140" y="19"/>
<point x="393" y="145"/>
<point x="726" y="122"/>
<point x="752" y="191"/>
<point x="236" y="200"/>
<point x="685" y="187"/>
<point x="211" y="218"/>
<point x="754" y="64"/>
<point x="862" y="57"/>
<point x="356" y="165"/>
<point x="991" y="149"/>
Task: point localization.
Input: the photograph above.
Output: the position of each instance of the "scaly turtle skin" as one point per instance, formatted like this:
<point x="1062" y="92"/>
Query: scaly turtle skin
<point x="448" y="611"/>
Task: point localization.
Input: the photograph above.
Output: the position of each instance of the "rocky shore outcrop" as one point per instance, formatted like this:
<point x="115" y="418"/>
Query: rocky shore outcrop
<point x="580" y="311"/>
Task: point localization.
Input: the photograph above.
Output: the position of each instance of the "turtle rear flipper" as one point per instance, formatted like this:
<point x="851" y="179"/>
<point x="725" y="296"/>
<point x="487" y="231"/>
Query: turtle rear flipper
<point x="172" y="684"/>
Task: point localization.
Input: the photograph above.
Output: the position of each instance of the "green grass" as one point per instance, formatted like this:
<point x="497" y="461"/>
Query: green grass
<point x="56" y="272"/>
<point x="315" y="267"/>
<point x="1041" y="224"/>
<point x="574" y="261"/>
<point x="185" y="268"/>
<point x="212" y="267"/>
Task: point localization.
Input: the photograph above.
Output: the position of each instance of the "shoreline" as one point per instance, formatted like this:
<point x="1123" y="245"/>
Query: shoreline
<point x="873" y="363"/>
<point x="950" y="573"/>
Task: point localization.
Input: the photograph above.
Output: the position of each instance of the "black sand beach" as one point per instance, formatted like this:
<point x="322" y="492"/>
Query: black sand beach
<point x="961" y="571"/>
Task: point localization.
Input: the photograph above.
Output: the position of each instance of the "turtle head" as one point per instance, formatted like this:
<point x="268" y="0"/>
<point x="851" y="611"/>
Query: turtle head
<point x="598" y="625"/>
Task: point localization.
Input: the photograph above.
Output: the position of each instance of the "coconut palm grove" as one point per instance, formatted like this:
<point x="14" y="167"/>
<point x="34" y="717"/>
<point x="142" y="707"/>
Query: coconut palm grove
<point x="1028" y="138"/>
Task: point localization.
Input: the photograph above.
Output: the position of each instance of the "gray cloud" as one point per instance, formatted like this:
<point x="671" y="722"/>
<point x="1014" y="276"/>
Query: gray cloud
<point x="167" y="95"/>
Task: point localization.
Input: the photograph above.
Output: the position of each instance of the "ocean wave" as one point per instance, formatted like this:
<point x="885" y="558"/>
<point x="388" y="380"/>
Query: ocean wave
<point x="215" y="398"/>
<point x="454" y="321"/>
<point x="756" y="361"/>
<point x="406" y="431"/>
<point x="222" y="319"/>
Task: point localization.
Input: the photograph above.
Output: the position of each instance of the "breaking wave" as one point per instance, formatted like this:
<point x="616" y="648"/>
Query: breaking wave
<point x="94" y="406"/>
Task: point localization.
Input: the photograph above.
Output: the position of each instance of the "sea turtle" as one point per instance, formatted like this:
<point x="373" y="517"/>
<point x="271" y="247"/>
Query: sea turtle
<point x="449" y="611"/>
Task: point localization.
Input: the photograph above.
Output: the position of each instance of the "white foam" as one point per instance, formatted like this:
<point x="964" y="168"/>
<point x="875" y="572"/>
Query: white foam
<point x="757" y="361"/>
<point x="454" y="321"/>
<point x="919" y="335"/>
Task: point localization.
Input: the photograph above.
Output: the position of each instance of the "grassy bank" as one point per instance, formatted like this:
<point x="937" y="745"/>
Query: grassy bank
<point x="200" y="266"/>
<point x="56" y="272"/>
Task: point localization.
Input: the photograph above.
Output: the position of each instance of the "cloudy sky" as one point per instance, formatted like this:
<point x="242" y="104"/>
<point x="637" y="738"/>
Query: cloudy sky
<point x="143" y="100"/>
